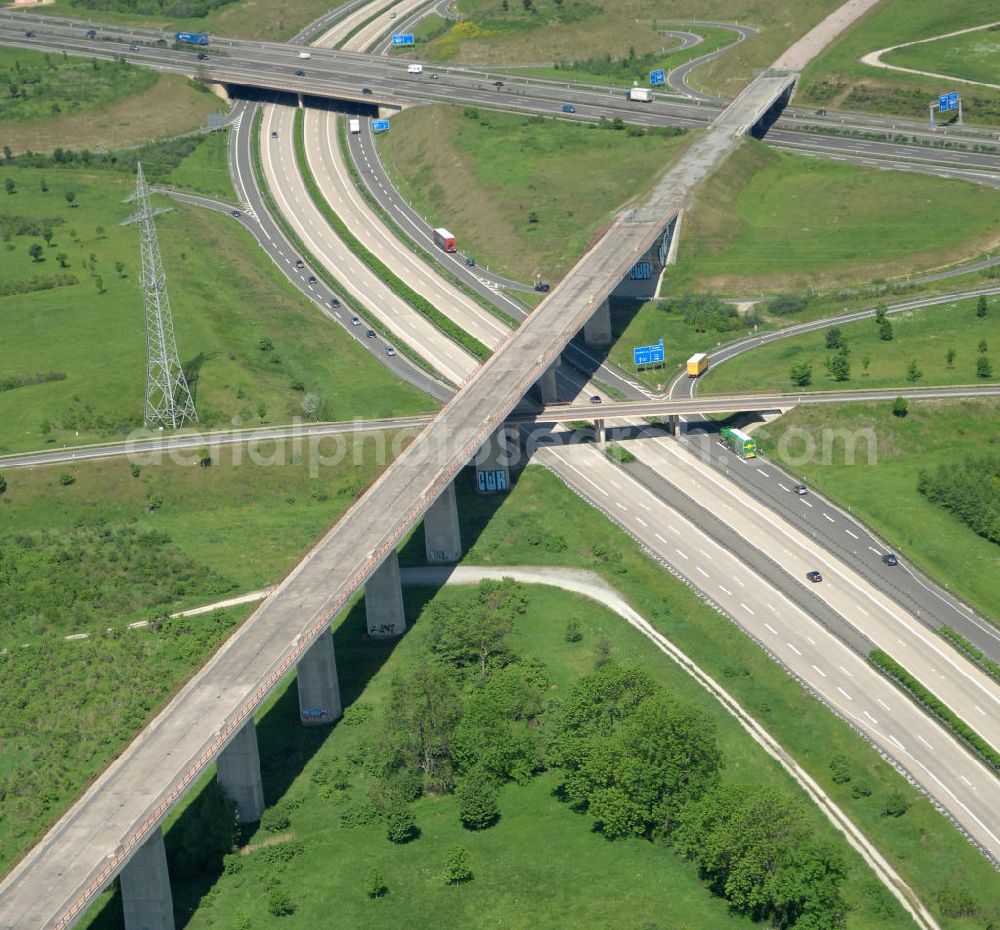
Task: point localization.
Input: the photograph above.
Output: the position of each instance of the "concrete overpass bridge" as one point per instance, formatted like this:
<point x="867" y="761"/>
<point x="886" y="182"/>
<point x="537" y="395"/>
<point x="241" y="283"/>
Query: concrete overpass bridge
<point x="115" y="827"/>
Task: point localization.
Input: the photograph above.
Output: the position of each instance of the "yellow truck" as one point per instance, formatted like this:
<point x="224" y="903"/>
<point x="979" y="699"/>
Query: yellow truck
<point x="697" y="364"/>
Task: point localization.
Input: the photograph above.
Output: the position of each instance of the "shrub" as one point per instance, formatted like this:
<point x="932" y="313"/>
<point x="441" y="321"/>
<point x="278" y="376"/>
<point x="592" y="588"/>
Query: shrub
<point x="787" y="303"/>
<point x="839" y="768"/>
<point x="573" y="633"/>
<point x="375" y="886"/>
<point x="895" y="805"/>
<point x="400" y="825"/>
<point x="279" y="902"/>
<point x="479" y="806"/>
<point x="275" y="819"/>
<point x="456" y="866"/>
<point x="66" y="480"/>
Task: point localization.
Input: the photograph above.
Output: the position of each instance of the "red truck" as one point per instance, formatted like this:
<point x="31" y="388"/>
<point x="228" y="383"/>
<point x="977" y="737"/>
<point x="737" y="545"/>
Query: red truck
<point x="445" y="240"/>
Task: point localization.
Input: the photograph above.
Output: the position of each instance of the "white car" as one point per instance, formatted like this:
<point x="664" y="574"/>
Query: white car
<point x="304" y="55"/>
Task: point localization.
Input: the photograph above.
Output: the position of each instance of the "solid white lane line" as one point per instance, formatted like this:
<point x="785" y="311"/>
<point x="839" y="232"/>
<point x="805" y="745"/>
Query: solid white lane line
<point x="873" y="549"/>
<point x="825" y="514"/>
<point x="747" y="609"/>
<point x="725" y="590"/>
<point x="659" y="537"/>
<point x="640" y="521"/>
<point x="818" y="669"/>
<point x="681" y="554"/>
<point x="849" y="533"/>
<point x="843" y="692"/>
<point x="771" y="628"/>
<point x="702" y="571"/>
<point x="796" y="651"/>
<point x="783" y="488"/>
<point x="804" y="501"/>
<point x="897" y="742"/>
<point x="870" y="717"/>
<point x="761" y="471"/>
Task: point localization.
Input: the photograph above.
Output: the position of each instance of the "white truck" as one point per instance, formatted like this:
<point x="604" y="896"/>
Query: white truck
<point x="414" y="69"/>
<point x="354" y="125"/>
<point x="642" y="94"/>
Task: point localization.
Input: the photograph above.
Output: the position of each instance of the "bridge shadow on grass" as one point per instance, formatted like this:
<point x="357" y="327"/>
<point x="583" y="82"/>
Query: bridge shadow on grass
<point x="285" y="748"/>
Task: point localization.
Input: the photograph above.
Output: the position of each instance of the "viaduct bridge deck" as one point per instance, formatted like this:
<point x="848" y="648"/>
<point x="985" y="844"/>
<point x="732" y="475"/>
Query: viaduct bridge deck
<point x="89" y="845"/>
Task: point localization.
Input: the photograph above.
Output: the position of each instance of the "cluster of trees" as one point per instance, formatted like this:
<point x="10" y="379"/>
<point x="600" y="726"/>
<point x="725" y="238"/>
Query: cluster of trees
<point x="627" y="68"/>
<point x="8" y="384"/>
<point x="102" y="572"/>
<point x="707" y="313"/>
<point x="970" y="490"/>
<point x="184" y="9"/>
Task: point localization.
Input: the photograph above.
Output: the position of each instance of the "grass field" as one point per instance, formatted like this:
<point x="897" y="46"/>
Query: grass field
<point x="206" y="169"/>
<point x="770" y="222"/>
<point x="838" y="79"/>
<point x="972" y="56"/>
<point x="924" y="336"/>
<point x="540" y="866"/>
<point x="249" y="19"/>
<point x="625" y="69"/>
<point x="524" y="194"/>
<point x="226" y="298"/>
<point x="885" y="495"/>
<point x="92" y="103"/>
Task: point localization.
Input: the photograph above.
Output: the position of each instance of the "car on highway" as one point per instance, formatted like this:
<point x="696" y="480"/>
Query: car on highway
<point x="568" y="108"/>
<point x="542" y="287"/>
<point x="392" y="14"/>
<point x="201" y="56"/>
<point x="414" y="69"/>
<point x="890" y="559"/>
<point x="312" y="279"/>
<point x="596" y="399"/>
<point x="334" y="302"/>
<point x="300" y="73"/>
<point x="389" y="350"/>
<point x="370" y="334"/>
<point x="366" y="90"/>
<point x="29" y="35"/>
<point x="299" y="263"/>
<point x="274" y="133"/>
<point x="236" y="213"/>
<point x="800" y="489"/>
<point x="133" y="48"/>
<point x="814" y="577"/>
<point x="498" y="84"/>
<point x="355" y="321"/>
<point x="470" y="261"/>
<point x="91" y="33"/>
<point x="304" y="55"/>
<point x="434" y="77"/>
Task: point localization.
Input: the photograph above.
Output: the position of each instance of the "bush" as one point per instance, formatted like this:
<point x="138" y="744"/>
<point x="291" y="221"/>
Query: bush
<point x="66" y="480"/>
<point x="787" y="303"/>
<point x="279" y="902"/>
<point x="456" y="866"/>
<point x="573" y="633"/>
<point x="900" y="407"/>
<point x="275" y="819"/>
<point x="375" y="886"/>
<point x="479" y="806"/>
<point x="839" y="768"/>
<point x="895" y="805"/>
<point x="801" y="374"/>
<point x="400" y="825"/>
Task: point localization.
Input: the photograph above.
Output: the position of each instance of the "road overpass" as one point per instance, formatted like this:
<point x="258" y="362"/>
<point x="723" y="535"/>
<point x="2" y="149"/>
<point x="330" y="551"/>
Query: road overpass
<point x="114" y="828"/>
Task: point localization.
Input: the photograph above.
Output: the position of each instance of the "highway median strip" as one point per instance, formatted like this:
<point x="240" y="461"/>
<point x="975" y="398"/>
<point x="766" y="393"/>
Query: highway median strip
<point x="423" y="306"/>
<point x="408" y="240"/>
<point x="983" y="661"/>
<point x="328" y="279"/>
<point x="930" y="702"/>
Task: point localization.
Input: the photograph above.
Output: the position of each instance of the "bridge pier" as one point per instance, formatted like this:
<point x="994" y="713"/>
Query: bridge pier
<point x="301" y="101"/>
<point x="597" y="330"/>
<point x="547" y="385"/>
<point x="601" y="433"/>
<point x="238" y="774"/>
<point x="146" y="899"/>
<point x="493" y="461"/>
<point x="442" y="533"/>
<point x="319" y="688"/>
<point x="384" y="599"/>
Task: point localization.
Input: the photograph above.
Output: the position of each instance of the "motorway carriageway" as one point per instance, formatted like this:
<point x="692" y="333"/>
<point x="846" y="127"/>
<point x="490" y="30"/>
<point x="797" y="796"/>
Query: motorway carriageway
<point x="949" y="773"/>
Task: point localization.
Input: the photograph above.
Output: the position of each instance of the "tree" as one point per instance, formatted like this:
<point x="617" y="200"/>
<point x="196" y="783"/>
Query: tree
<point x="35" y="251"/>
<point x="400" y="824"/>
<point x="375" y="886"/>
<point x="834" y="338"/>
<point x="43" y="184"/>
<point x="47" y="235"/>
<point x="479" y="806"/>
<point x="981" y="306"/>
<point x="70" y="196"/>
<point x="866" y="360"/>
<point x="456" y="865"/>
<point x="3" y="484"/>
<point x="885" y="331"/>
<point x="99" y="284"/>
<point x="801" y="374"/>
<point x="120" y="270"/>
<point x="880" y="312"/>
<point x="532" y="217"/>
<point x="10" y="186"/>
<point x="983" y="347"/>
<point x="949" y="357"/>
<point x="983" y="367"/>
<point x="62" y="258"/>
<point x="913" y="374"/>
<point x="279" y="902"/>
<point x="900" y="407"/>
<point x="839" y="366"/>
<point x="265" y="344"/>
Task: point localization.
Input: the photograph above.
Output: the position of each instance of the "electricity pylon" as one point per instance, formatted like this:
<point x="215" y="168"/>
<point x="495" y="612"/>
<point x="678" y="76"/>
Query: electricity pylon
<point x="168" y="398"/>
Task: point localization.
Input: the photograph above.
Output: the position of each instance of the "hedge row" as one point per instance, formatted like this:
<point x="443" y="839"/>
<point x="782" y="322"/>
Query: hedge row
<point x="931" y="702"/>
<point x="419" y="303"/>
<point x="963" y="645"/>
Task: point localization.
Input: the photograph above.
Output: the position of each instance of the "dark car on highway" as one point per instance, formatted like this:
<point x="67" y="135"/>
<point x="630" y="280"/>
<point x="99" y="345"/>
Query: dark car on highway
<point x="890" y="559"/>
<point x="542" y="287"/>
<point x="814" y="577"/>
<point x="300" y="73"/>
<point x="370" y="334"/>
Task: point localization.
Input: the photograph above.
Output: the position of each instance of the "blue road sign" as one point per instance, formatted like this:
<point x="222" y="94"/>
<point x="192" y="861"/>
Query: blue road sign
<point x="648" y="355"/>
<point x="380" y="125"/>
<point x="948" y="101"/>
<point x="659" y="76"/>
<point x="641" y="271"/>
<point x="402" y="38"/>
<point x="491" y="480"/>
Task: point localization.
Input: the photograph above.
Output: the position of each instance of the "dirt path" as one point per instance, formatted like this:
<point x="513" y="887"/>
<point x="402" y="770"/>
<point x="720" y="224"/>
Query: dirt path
<point x="874" y="59"/>
<point x="591" y="585"/>
<point x="821" y="35"/>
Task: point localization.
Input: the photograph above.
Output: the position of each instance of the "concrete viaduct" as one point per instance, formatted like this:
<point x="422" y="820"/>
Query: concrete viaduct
<point x="114" y="829"/>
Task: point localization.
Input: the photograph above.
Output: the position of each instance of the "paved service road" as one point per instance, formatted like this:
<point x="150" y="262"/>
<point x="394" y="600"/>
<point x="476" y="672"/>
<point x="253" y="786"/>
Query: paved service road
<point x="772" y="615"/>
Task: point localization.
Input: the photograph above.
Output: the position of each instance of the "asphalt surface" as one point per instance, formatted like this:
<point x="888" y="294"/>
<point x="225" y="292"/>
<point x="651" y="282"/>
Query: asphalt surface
<point x="767" y="607"/>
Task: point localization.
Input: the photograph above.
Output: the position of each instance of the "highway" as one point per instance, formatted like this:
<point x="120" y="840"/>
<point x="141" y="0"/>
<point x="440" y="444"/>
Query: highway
<point x="782" y="617"/>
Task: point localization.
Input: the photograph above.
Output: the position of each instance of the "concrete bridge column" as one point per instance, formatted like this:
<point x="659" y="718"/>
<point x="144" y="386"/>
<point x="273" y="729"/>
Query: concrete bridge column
<point x="547" y="383"/>
<point x="493" y="461"/>
<point x="302" y="105"/>
<point x="597" y="330"/>
<point x="238" y="773"/>
<point x="384" y="599"/>
<point x="319" y="689"/>
<point x="146" y="900"/>
<point x="442" y="534"/>
<point x="601" y="433"/>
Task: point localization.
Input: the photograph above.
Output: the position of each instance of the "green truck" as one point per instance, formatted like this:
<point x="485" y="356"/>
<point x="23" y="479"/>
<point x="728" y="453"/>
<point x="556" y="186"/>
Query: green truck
<point x="739" y="442"/>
